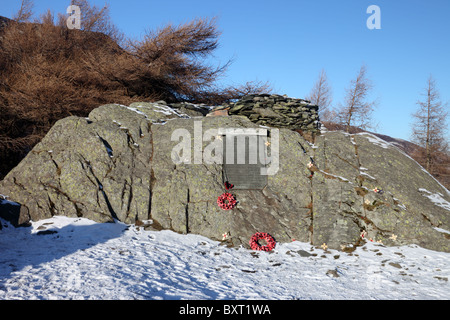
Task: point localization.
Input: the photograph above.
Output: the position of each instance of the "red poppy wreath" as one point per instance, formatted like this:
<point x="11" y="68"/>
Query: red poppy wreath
<point x="254" y="244"/>
<point x="226" y="201"/>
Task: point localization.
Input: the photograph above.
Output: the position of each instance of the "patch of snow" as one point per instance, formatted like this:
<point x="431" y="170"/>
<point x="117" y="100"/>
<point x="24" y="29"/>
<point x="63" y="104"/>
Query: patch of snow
<point x="136" y="110"/>
<point x="168" y="111"/>
<point x="436" y="198"/>
<point x="160" y="123"/>
<point x="312" y="145"/>
<point x="399" y="204"/>
<point x="441" y="230"/>
<point x="75" y="258"/>
<point x="423" y="169"/>
<point x="165" y="110"/>
<point x="334" y="176"/>
<point x="367" y="175"/>
<point x="375" y="140"/>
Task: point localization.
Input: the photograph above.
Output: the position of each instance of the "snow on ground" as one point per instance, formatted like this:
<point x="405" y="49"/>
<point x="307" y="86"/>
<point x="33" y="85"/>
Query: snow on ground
<point x="75" y="258"/>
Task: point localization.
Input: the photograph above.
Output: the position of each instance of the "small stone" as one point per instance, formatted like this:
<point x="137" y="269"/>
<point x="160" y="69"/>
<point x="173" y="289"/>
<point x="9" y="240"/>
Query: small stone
<point x="332" y="273"/>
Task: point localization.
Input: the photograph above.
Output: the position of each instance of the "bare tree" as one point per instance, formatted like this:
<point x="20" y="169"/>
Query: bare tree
<point x="356" y="110"/>
<point x="25" y="12"/>
<point x="430" y="126"/>
<point x="321" y="96"/>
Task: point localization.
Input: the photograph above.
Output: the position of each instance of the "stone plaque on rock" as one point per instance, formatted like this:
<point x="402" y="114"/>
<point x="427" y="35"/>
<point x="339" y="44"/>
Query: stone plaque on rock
<point x="243" y="158"/>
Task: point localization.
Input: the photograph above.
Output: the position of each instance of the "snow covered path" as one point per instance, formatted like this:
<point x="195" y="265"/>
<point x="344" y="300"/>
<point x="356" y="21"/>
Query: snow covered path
<point x="88" y="260"/>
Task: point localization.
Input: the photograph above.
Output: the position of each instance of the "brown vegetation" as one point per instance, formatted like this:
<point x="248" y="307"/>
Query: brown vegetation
<point x="48" y="72"/>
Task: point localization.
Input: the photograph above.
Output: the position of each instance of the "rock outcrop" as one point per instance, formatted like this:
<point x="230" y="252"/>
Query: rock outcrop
<point x="119" y="163"/>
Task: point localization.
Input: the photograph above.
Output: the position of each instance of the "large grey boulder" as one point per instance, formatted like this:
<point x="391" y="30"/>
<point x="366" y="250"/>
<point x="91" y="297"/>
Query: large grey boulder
<point x="120" y="164"/>
<point x="365" y="184"/>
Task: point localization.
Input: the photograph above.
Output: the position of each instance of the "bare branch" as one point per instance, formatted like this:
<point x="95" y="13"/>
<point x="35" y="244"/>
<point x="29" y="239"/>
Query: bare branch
<point x="25" y="12"/>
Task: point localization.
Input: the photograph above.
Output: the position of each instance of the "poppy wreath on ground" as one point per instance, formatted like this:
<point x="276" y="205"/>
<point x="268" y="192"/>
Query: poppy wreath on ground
<point x="254" y="244"/>
<point x="226" y="201"/>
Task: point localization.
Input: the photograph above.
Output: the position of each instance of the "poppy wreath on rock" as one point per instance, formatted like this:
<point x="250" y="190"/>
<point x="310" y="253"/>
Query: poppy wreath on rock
<point x="254" y="244"/>
<point x="226" y="201"/>
<point x="228" y="185"/>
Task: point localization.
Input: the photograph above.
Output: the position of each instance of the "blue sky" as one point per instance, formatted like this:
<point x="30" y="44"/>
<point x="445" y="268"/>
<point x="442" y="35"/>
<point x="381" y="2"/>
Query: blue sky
<point x="288" y="43"/>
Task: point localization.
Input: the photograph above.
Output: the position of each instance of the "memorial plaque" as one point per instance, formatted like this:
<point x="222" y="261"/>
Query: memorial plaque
<point x="243" y="158"/>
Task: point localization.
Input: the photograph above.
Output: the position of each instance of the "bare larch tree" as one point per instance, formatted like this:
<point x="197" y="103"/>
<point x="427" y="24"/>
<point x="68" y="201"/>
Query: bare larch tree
<point x="356" y="110"/>
<point x="321" y="96"/>
<point x="429" y="127"/>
